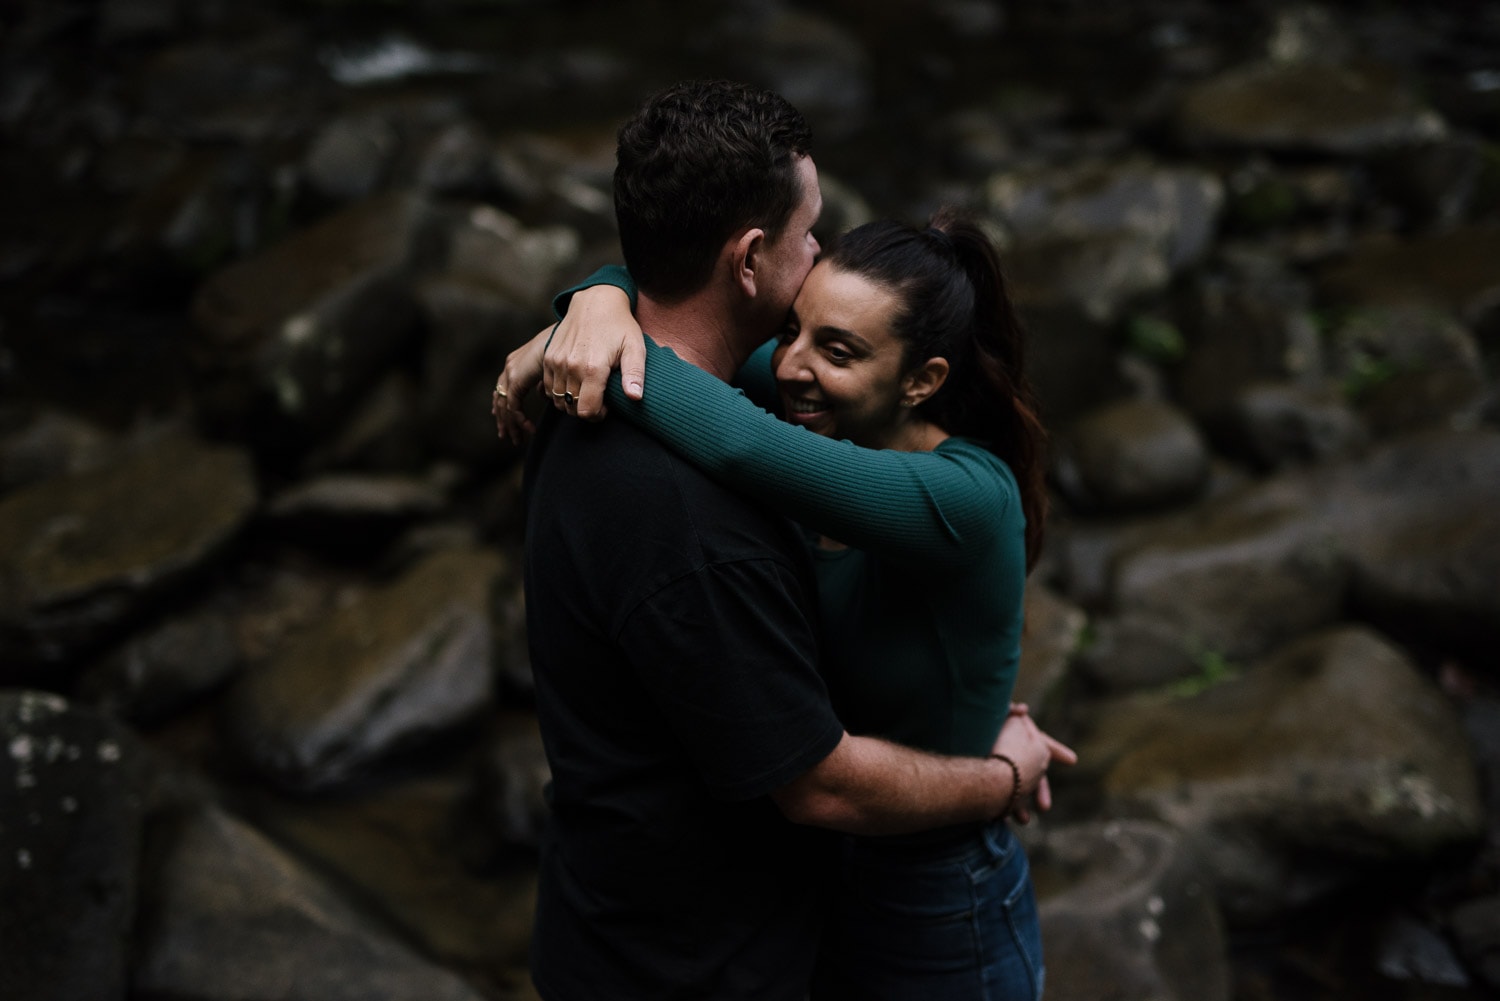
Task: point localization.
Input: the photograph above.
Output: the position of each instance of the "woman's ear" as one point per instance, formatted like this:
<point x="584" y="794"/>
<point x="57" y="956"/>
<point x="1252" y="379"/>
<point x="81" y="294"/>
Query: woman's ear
<point x="921" y="382"/>
<point x="744" y="256"/>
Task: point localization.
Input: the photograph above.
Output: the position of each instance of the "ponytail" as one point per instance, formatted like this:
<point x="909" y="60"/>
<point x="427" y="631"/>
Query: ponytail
<point x="956" y="305"/>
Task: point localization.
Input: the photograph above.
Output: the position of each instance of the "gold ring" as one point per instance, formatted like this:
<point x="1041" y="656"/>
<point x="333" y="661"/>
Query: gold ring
<point x="500" y="392"/>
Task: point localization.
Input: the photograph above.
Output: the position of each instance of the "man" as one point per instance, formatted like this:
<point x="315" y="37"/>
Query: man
<point x="672" y="623"/>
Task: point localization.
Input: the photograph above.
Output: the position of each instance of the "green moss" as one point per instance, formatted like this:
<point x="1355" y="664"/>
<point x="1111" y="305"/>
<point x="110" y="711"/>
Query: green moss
<point x="1366" y="374"/>
<point x="1213" y="670"/>
<point x="1155" y="339"/>
<point x="1268" y="204"/>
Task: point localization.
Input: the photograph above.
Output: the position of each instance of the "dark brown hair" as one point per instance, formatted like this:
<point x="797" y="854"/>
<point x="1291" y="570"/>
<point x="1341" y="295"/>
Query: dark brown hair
<point x="955" y="305"/>
<point x="698" y="162"/>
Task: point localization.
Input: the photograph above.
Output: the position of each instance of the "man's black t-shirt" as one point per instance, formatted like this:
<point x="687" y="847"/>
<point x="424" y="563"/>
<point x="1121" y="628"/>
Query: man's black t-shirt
<point x="674" y="649"/>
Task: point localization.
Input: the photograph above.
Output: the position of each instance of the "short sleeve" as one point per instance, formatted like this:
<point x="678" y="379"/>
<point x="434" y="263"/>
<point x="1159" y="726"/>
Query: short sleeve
<point x="730" y="656"/>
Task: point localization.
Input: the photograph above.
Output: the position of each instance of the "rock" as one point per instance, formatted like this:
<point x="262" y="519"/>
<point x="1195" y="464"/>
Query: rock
<point x="1449" y="270"/>
<point x="349" y="157"/>
<point x="1305" y="108"/>
<point x="54" y="443"/>
<point x="232" y="916"/>
<point x="289" y="339"/>
<point x="1476" y="926"/>
<point x="1238" y="577"/>
<point x="1400" y="535"/>
<point x="136" y="20"/>
<point x="1129" y="652"/>
<point x="1245" y="323"/>
<point x="89" y="552"/>
<point x="1425" y="552"/>
<point x="513" y="653"/>
<point x="1099" y="275"/>
<point x="510" y="783"/>
<point x="1177" y="209"/>
<point x="457" y="162"/>
<point x="1436" y="184"/>
<point x="194" y="218"/>
<point x="381" y="434"/>
<point x="1132" y="455"/>
<point x="494" y="295"/>
<point x="1287" y="424"/>
<point x="1053" y="631"/>
<point x="354" y="512"/>
<point x="246" y="87"/>
<point x="1412" y="950"/>
<point x="70" y="837"/>
<point x="522" y="265"/>
<point x="406" y="851"/>
<point x="162" y="670"/>
<point x="1074" y="367"/>
<point x="560" y="180"/>
<point x="1333" y="753"/>
<point x="1409" y="366"/>
<point x="394" y="668"/>
<point x="1308" y="34"/>
<point x="814" y="61"/>
<point x="1126" y="916"/>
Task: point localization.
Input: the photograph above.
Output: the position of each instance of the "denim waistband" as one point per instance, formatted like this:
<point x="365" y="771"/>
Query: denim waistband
<point x="946" y="843"/>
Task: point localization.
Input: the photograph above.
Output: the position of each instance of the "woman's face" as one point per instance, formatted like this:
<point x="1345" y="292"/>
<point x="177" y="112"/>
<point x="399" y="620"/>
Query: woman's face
<point x="838" y="364"/>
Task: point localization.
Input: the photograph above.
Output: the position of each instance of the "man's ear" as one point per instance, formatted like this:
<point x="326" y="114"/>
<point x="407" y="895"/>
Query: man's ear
<point x="745" y="256"/>
<point x="921" y="382"/>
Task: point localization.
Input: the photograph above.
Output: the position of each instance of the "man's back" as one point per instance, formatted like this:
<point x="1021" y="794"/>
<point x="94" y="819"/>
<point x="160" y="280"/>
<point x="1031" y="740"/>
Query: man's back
<point x="674" y="647"/>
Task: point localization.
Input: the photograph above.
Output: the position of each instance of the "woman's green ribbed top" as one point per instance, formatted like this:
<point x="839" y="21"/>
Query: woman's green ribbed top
<point x="921" y="615"/>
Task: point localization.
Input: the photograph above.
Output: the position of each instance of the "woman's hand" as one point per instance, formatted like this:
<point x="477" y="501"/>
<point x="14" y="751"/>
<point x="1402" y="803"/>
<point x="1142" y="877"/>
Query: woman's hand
<point x="1033" y="751"/>
<point x="521" y="374"/>
<point x="597" y="335"/>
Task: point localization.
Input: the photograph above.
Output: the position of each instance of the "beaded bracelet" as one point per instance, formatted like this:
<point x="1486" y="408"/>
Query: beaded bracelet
<point x="1015" y="791"/>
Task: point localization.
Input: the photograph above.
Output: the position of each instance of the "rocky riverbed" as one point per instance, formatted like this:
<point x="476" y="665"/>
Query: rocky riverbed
<point x="264" y="692"/>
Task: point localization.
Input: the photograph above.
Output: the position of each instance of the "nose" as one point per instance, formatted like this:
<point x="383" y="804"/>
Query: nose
<point x="791" y="361"/>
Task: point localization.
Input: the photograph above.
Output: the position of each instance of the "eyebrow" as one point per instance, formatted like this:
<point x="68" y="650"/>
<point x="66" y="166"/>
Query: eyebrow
<point x="848" y="335"/>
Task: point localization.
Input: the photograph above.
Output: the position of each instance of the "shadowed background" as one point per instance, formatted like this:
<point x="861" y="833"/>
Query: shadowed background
<point x="267" y="707"/>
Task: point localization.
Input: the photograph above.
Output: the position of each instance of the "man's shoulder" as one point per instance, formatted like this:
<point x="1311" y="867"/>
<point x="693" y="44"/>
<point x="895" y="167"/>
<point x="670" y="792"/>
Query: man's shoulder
<point x="618" y="480"/>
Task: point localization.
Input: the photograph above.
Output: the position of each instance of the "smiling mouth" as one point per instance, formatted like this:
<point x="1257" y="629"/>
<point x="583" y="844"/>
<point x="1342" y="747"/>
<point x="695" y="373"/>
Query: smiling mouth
<point x="804" y="408"/>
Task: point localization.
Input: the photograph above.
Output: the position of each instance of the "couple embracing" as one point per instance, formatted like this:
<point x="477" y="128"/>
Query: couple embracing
<point x="774" y="601"/>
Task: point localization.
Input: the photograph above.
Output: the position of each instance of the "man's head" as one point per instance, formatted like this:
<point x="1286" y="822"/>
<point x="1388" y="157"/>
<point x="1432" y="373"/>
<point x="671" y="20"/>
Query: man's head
<point x="700" y="162"/>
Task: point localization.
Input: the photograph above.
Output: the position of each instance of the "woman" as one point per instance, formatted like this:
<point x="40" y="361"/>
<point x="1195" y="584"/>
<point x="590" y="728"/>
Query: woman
<point x="924" y="483"/>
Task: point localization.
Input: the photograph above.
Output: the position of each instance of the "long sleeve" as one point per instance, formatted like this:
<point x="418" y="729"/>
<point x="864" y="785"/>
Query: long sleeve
<point x="927" y="508"/>
<point x="610" y="274"/>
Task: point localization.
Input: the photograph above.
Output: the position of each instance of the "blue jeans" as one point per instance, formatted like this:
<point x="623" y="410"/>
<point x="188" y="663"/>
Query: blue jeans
<point x="955" y="921"/>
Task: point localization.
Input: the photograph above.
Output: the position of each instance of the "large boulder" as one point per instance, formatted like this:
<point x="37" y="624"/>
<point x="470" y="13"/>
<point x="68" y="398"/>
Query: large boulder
<point x="1306" y="107"/>
<point x="1402" y="534"/>
<point x="164" y="668"/>
<point x="1332" y="755"/>
<point x="71" y="809"/>
<point x="1246" y="322"/>
<point x="394" y="667"/>
<point x="1176" y="207"/>
<point x="1054" y="630"/>
<point x="232" y="916"/>
<point x="1126" y="915"/>
<point x="87" y="553"/>
<point x="287" y="340"/>
<point x="1424" y="554"/>
<point x="1132" y="455"/>
<point x="1449" y="269"/>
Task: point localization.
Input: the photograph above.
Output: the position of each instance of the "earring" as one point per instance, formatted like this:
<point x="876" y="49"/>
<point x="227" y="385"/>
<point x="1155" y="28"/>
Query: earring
<point x="908" y="403"/>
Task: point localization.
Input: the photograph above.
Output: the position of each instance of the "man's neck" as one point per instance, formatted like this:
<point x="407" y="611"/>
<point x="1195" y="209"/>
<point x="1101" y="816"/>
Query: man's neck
<point x="699" y="331"/>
